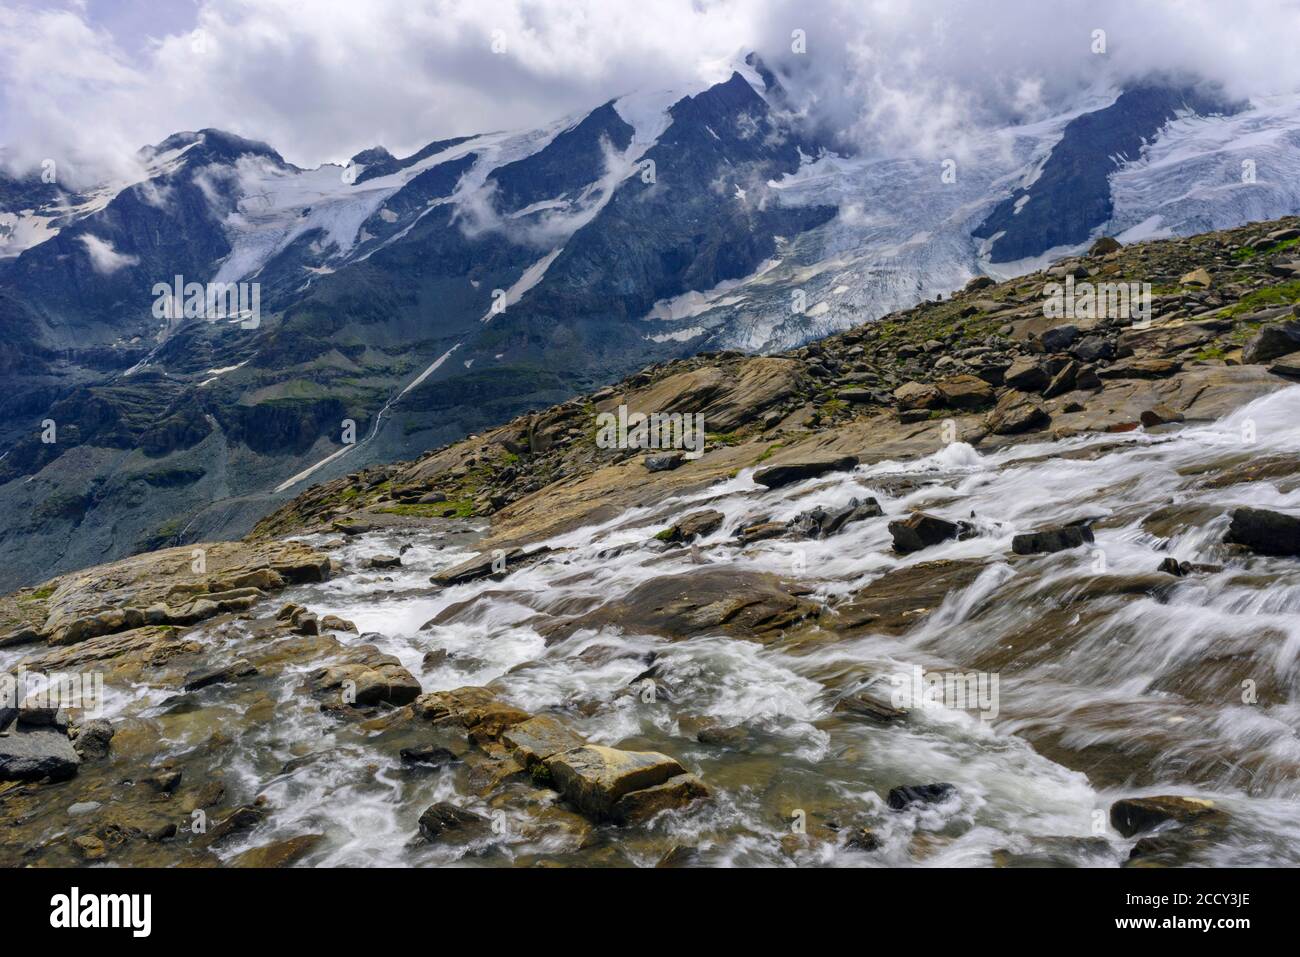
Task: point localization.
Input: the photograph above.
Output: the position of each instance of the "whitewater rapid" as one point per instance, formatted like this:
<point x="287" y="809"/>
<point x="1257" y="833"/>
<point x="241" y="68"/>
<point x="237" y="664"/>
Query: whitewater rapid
<point x="1106" y="677"/>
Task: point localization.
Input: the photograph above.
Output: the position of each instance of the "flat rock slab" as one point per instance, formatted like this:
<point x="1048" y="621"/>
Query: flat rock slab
<point x="776" y="476"/>
<point x="594" y="778"/>
<point x="539" y="738"/>
<point x="900" y="599"/>
<point x="741" y="603"/>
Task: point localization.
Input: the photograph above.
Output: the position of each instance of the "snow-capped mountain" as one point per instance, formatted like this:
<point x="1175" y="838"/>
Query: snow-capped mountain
<point x="424" y="297"/>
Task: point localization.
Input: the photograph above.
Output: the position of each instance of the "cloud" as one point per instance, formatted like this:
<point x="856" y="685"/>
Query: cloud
<point x="103" y="257"/>
<point x="322" y="80"/>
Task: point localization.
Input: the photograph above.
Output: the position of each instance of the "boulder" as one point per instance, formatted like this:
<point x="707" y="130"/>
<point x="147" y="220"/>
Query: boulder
<point x="762" y="532"/>
<point x="428" y="756"/>
<point x="1272" y="342"/>
<point x="37" y="754"/>
<point x="965" y="392"/>
<point x="917" y="395"/>
<point x="776" y="476"/>
<point x="1092" y="348"/>
<point x="1063" y="381"/>
<point x="821" y="523"/>
<point x="366" y="676"/>
<point x="1016" y="413"/>
<point x="1026" y="374"/>
<point x="923" y="530"/>
<point x="1051" y="540"/>
<point x="1059" y="338"/>
<point x="1197" y="277"/>
<point x="478" y="710"/>
<point x="665" y="462"/>
<point x="1131" y="816"/>
<point x="447" y="822"/>
<point x="595" y="778"/>
<point x="1265" y="532"/>
<point x="699" y="524"/>
<point x="384" y="561"/>
<point x="1105" y="246"/>
<point x="335" y="623"/>
<point x="1288" y="365"/>
<point x="1160" y="415"/>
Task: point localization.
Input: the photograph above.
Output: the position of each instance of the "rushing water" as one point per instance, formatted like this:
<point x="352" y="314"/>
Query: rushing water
<point x="1127" y="693"/>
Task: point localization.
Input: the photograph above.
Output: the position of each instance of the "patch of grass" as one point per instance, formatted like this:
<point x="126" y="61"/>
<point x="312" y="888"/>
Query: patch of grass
<point x="1250" y="252"/>
<point x="1281" y="295"/>
<point x="39" y="594"/>
<point x="455" y="508"/>
<point x="769" y="452"/>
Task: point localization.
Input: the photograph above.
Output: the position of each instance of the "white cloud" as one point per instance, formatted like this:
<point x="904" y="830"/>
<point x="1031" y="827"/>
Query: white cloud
<point x="321" y="80"/>
<point x="103" y="257"/>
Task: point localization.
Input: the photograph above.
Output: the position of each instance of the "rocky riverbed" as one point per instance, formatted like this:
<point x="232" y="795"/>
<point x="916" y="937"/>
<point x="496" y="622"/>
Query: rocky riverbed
<point x="526" y="649"/>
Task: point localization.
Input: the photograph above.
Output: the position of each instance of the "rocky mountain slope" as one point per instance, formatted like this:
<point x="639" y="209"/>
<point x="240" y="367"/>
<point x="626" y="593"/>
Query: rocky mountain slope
<point x="527" y="648"/>
<point x="408" y="301"/>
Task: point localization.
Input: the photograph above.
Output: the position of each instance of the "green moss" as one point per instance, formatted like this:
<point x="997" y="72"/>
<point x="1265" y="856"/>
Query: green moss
<point x="453" y="508"/>
<point x="1248" y="253"/>
<point x="39" y="594"/>
<point x="769" y="452"/>
<point x="1281" y="295"/>
<point x="667" y="534"/>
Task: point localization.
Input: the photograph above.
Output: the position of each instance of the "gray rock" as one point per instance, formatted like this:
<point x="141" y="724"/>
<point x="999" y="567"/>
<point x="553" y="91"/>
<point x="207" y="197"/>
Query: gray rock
<point x="776" y="476"/>
<point x="1265" y="532"/>
<point x="93" y="739"/>
<point x="1051" y="540"/>
<point x="923" y="530"/>
<point x="1092" y="348"/>
<point x="447" y="822"/>
<point x="1272" y="342"/>
<point x="665" y="462"/>
<point x="1059" y="338"/>
<point x="36" y="754"/>
<point x="1026" y="375"/>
